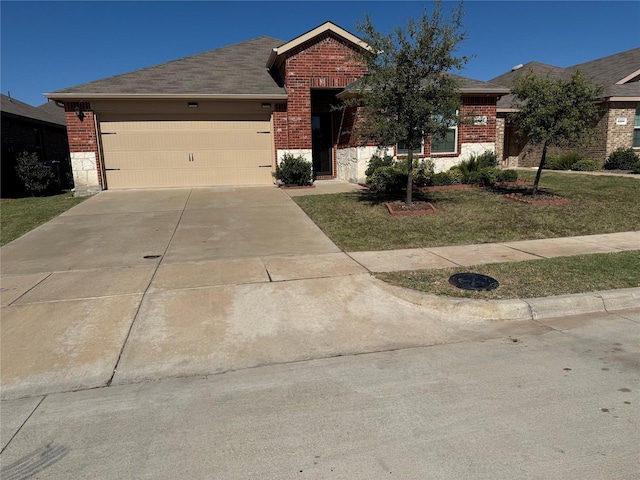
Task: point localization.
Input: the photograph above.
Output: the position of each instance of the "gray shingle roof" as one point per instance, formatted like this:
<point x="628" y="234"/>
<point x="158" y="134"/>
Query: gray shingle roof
<point x="237" y="69"/>
<point x="53" y="111"/>
<point x="467" y="85"/>
<point x="606" y="71"/>
<point x="21" y="109"/>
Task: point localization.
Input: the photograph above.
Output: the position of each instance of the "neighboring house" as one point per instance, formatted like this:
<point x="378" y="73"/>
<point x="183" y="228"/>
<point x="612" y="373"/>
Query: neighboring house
<point x="39" y="130"/>
<point x="225" y="117"/>
<point x="618" y="74"/>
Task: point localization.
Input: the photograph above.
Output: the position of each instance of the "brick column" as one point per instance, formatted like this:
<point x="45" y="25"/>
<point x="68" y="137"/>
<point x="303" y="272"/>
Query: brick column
<point x="84" y="148"/>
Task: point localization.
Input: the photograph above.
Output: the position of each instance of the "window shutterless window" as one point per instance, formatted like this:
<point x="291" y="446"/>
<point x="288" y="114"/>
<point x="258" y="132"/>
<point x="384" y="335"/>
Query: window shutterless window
<point x="402" y="150"/>
<point x="446" y="144"/>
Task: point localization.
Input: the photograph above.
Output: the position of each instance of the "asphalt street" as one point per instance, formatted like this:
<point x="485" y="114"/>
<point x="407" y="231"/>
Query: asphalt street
<point x="559" y="402"/>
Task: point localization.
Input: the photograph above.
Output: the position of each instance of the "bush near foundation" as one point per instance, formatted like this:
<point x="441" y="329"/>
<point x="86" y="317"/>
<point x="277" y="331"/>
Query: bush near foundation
<point x="294" y="171"/>
<point x="586" y="165"/>
<point x="622" y="159"/>
<point x="387" y="174"/>
<point x="38" y="179"/>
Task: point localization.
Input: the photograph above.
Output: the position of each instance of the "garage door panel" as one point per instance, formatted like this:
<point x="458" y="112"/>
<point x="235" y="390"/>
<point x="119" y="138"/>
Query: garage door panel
<point x="141" y="154"/>
<point x="125" y="161"/>
<point x="185" y="178"/>
<point x="175" y="141"/>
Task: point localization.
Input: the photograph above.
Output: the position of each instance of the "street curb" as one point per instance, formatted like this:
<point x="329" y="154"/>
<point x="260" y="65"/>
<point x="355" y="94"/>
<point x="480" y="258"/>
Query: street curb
<point x="522" y="309"/>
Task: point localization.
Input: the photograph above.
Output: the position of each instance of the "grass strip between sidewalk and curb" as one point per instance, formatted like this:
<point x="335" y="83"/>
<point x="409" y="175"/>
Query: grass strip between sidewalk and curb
<point x="532" y="278"/>
<point x="360" y="221"/>
<point x="21" y="215"/>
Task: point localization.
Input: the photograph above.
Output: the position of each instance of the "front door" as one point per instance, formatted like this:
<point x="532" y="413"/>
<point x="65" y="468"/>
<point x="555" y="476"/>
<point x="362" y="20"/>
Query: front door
<point x="322" y="144"/>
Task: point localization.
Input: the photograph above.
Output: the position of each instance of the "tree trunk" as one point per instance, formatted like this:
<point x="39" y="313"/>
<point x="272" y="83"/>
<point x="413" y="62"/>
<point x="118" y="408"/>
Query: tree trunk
<point x="409" y="199"/>
<point x="542" y="160"/>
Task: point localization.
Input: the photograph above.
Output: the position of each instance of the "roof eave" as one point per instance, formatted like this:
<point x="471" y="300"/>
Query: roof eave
<point x="488" y="91"/>
<point x="623" y="99"/>
<point x="163" y="96"/>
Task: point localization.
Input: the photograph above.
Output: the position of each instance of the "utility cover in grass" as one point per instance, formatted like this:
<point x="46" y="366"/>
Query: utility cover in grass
<point x="473" y="281"/>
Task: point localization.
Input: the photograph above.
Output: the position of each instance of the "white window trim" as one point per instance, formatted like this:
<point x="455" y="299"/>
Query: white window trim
<point x="455" y="143"/>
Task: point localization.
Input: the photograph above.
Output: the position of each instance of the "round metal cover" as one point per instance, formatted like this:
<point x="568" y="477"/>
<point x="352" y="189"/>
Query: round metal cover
<point x="473" y="281"/>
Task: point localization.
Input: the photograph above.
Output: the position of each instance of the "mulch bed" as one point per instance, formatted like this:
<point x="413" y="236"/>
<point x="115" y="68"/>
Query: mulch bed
<point x="538" y="199"/>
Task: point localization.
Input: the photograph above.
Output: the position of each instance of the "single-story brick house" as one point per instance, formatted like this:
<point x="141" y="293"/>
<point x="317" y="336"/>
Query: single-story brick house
<point x="225" y="117"/>
<point x="40" y="130"/>
<point x="619" y="126"/>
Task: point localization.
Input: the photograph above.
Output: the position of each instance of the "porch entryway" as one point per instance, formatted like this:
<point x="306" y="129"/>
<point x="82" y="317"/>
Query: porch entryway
<point x="323" y="132"/>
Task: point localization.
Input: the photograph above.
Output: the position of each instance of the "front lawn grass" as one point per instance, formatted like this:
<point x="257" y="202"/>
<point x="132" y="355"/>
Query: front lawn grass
<point x="596" y="204"/>
<point x="21" y="215"/>
<point x="533" y="278"/>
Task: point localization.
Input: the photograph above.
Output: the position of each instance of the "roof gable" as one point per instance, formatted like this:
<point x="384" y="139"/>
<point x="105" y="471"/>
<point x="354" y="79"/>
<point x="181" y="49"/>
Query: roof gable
<point x="614" y="68"/>
<point x="279" y="53"/>
<point x="619" y="74"/>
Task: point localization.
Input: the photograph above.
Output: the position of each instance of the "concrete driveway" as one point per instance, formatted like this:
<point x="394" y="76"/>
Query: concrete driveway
<point x="142" y="285"/>
<point x="138" y="285"/>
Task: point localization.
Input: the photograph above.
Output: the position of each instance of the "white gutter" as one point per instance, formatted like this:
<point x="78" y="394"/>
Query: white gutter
<point x="623" y="99"/>
<point x="162" y="96"/>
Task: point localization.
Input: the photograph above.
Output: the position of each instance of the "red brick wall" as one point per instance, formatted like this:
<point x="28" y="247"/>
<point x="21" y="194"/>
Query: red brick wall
<point x="474" y="107"/>
<point x="82" y="133"/>
<point x="467" y="131"/>
<point x="324" y="62"/>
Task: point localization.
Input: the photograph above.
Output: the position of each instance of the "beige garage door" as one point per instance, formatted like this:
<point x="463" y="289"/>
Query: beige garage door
<point x="148" y="154"/>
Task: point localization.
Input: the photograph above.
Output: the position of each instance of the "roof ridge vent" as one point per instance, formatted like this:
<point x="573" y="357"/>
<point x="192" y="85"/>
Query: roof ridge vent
<point x="517" y="67"/>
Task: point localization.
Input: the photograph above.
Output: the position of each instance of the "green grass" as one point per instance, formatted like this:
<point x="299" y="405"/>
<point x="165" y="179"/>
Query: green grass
<point x="596" y="204"/>
<point x="21" y="215"/>
<point x="533" y="278"/>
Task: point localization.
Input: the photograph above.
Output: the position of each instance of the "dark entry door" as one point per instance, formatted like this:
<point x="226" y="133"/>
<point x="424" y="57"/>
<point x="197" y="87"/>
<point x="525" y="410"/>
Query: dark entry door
<point x="322" y="144"/>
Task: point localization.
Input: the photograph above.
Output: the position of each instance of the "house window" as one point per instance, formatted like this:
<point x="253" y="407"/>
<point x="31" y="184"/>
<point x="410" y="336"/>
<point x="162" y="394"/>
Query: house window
<point x="402" y="150"/>
<point x="636" y="130"/>
<point x="446" y="144"/>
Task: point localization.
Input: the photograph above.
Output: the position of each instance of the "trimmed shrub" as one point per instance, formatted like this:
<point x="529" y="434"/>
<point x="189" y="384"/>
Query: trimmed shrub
<point x="636" y="167"/>
<point x="375" y="162"/>
<point x="486" y="176"/>
<point x="442" y="178"/>
<point x="394" y="171"/>
<point x="294" y="171"/>
<point x="507" y="176"/>
<point x="456" y="175"/>
<point x="621" y="159"/>
<point x="586" y="165"/>
<point x="37" y="178"/>
<point x="422" y="172"/>
<point x="565" y="162"/>
<point x="388" y="178"/>
<point x="488" y="159"/>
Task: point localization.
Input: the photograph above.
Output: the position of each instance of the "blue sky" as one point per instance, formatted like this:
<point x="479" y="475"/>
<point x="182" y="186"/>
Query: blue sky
<point x="52" y="45"/>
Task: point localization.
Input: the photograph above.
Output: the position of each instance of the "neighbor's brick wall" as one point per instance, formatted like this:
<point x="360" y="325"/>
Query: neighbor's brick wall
<point x="82" y="136"/>
<point x="324" y="62"/>
<point x="609" y="137"/>
<point x="48" y="141"/>
<point x="620" y="135"/>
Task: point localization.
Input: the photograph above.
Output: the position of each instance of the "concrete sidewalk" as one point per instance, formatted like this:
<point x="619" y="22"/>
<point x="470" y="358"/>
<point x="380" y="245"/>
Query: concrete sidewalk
<point x="469" y="255"/>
